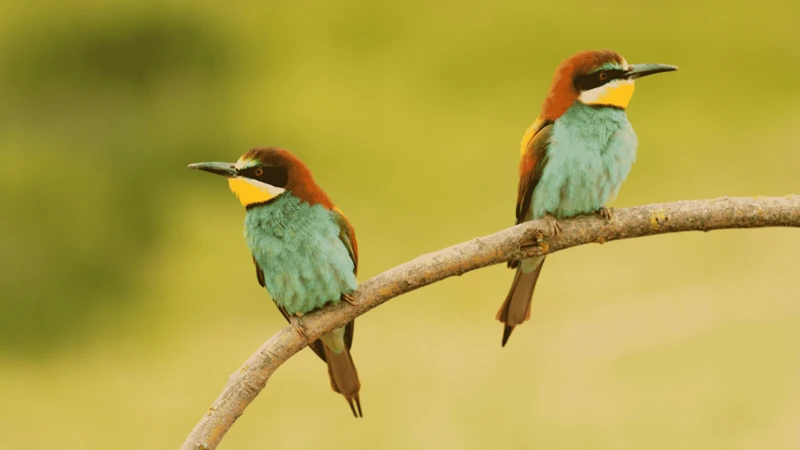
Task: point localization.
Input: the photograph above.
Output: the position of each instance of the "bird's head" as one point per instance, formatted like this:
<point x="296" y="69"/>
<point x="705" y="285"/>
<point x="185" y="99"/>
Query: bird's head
<point x="595" y="77"/>
<point x="264" y="173"/>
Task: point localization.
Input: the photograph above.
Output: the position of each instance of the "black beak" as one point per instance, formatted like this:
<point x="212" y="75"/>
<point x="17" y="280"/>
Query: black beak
<point x="642" y="70"/>
<point x="219" y="168"/>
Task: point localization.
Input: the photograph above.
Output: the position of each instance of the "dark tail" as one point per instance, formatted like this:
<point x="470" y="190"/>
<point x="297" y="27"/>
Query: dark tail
<point x="344" y="377"/>
<point x="517" y="307"/>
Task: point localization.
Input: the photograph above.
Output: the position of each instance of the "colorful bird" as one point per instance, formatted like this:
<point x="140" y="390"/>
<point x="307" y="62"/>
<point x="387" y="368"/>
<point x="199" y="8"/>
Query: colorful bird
<point x="575" y="156"/>
<point x="303" y="247"/>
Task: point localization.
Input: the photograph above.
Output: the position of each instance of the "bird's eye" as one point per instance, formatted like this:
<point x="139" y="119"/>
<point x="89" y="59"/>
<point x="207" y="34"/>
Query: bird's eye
<point x="603" y="76"/>
<point x="259" y="171"/>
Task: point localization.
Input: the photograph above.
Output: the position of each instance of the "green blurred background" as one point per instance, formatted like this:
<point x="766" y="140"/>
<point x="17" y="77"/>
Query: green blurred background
<point x="128" y="294"/>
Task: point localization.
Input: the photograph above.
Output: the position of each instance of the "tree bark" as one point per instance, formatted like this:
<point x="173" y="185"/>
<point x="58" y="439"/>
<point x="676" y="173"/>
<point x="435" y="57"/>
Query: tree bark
<point x="521" y="241"/>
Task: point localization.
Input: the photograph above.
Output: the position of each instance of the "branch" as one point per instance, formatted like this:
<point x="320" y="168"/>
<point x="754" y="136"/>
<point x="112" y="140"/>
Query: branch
<point x="521" y="241"/>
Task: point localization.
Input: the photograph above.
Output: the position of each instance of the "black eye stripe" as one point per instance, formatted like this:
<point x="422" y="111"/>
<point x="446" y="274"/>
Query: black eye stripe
<point x="592" y="80"/>
<point x="275" y="176"/>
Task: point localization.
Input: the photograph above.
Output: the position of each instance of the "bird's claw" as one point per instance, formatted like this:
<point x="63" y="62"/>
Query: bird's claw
<point x="606" y="213"/>
<point x="552" y="222"/>
<point x="295" y="321"/>
<point x="555" y="230"/>
<point x="349" y="299"/>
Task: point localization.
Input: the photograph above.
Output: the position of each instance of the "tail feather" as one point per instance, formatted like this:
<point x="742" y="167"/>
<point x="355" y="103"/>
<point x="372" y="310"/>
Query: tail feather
<point x="516" y="309"/>
<point x="344" y="377"/>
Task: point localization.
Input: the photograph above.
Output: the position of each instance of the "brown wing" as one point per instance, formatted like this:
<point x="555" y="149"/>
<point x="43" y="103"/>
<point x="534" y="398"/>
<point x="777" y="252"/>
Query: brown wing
<point x="347" y="234"/>
<point x="259" y="273"/>
<point x="533" y="157"/>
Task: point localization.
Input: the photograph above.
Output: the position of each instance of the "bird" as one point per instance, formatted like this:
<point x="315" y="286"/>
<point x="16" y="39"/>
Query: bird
<point x="574" y="157"/>
<point x="303" y="247"/>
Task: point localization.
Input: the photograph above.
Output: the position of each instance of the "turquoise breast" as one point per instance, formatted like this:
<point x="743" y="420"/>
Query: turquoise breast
<point x="590" y="154"/>
<point x="297" y="246"/>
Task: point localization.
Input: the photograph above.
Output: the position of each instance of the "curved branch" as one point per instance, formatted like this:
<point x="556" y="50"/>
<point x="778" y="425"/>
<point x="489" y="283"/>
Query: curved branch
<point x="521" y="241"/>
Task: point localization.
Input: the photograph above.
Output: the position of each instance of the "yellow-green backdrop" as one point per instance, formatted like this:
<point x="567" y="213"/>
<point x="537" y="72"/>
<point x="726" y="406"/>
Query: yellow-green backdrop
<point x="128" y="294"/>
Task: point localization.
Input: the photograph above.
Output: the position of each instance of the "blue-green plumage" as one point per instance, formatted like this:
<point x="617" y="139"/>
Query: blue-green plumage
<point x="582" y="158"/>
<point x="589" y="155"/>
<point x="298" y="248"/>
<point x="303" y="247"/>
<point x="574" y="157"/>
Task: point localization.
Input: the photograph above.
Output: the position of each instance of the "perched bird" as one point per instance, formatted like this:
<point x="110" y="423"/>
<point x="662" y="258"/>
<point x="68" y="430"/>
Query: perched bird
<point x="303" y="247"/>
<point x="575" y="155"/>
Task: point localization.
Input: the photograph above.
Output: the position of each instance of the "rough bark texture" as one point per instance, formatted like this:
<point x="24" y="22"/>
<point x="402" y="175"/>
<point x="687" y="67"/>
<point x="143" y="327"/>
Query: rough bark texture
<point x="525" y="240"/>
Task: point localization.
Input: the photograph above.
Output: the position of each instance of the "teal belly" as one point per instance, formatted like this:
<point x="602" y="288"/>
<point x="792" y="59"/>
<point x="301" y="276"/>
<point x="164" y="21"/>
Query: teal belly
<point x="297" y="246"/>
<point x="590" y="154"/>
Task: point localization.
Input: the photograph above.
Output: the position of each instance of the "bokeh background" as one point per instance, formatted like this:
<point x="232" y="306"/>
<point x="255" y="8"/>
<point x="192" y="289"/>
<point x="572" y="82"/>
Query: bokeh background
<point x="128" y="295"/>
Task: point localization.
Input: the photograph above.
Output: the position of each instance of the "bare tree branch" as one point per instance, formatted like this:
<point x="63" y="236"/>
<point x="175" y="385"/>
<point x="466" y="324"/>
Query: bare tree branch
<point x="525" y="240"/>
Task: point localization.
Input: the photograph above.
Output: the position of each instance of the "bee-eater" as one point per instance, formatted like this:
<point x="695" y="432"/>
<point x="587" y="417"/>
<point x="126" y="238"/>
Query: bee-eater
<point x="303" y="247"/>
<point x="575" y="155"/>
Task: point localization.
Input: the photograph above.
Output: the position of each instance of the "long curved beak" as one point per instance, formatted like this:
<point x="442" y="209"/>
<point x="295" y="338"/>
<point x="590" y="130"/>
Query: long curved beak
<point x="219" y="168"/>
<point x="642" y="70"/>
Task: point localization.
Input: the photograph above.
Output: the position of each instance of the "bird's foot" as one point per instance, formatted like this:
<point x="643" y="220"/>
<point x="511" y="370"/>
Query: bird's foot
<point x="295" y="321"/>
<point x="349" y="299"/>
<point x="555" y="230"/>
<point x="552" y="222"/>
<point x="606" y="213"/>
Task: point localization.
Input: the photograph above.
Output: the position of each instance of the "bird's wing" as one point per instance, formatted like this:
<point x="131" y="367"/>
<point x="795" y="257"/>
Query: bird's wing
<point x="317" y="345"/>
<point x="533" y="157"/>
<point x="259" y="273"/>
<point x="347" y="234"/>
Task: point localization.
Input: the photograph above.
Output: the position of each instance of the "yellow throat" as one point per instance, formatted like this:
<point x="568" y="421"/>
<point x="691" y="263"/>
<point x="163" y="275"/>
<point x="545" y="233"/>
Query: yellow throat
<point x="616" y="93"/>
<point x="249" y="192"/>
